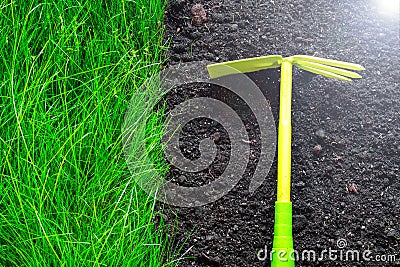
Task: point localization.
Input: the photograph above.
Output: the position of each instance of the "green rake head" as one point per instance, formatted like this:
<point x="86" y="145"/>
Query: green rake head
<point x="327" y="67"/>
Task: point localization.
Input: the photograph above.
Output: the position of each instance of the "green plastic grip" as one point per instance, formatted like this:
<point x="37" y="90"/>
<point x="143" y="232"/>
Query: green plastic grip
<point x="282" y="246"/>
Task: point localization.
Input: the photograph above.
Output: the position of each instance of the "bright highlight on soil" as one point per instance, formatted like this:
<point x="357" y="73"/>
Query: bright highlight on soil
<point x="389" y="7"/>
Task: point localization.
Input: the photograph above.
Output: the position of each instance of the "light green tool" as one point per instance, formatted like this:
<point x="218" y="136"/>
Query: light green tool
<point x="282" y="249"/>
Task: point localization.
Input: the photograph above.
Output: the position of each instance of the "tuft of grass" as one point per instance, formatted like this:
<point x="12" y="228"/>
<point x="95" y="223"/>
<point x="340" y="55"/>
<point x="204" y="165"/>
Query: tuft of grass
<point x="155" y="129"/>
<point x="68" y="69"/>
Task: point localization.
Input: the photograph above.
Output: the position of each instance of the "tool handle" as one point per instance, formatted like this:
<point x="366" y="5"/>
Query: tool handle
<point x="282" y="247"/>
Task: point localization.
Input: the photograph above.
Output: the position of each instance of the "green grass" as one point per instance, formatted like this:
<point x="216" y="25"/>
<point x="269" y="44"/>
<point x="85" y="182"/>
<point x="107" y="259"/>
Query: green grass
<point x="68" y="69"/>
<point x="155" y="128"/>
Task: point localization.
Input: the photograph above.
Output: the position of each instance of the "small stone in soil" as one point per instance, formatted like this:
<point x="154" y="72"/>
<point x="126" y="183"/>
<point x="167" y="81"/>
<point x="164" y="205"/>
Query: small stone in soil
<point x="317" y="149"/>
<point x="199" y="15"/>
<point x="320" y="133"/>
<point x="352" y="188"/>
<point x="215" y="137"/>
<point x="392" y="233"/>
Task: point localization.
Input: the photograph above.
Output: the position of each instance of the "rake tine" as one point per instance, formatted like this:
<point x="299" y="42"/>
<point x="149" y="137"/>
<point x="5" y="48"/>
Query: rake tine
<point x="329" y="62"/>
<point x="323" y="72"/>
<point x="243" y="66"/>
<point x="335" y="70"/>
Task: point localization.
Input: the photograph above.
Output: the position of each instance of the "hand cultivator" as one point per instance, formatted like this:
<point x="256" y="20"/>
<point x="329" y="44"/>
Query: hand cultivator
<point x="283" y="254"/>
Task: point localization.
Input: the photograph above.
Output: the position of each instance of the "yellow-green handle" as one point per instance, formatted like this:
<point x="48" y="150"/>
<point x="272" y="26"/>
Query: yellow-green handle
<point x="285" y="132"/>
<point x="282" y="245"/>
<point x="282" y="248"/>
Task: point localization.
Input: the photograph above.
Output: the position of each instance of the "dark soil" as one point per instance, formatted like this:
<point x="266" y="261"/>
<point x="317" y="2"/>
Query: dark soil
<point x="346" y="136"/>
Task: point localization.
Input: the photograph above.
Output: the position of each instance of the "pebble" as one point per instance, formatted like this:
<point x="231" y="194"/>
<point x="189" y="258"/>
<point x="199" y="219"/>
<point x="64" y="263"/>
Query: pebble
<point x="300" y="184"/>
<point x="392" y="233"/>
<point x="320" y="133"/>
<point x="199" y="15"/>
<point x="215" y="137"/>
<point x="317" y="149"/>
<point x="234" y="27"/>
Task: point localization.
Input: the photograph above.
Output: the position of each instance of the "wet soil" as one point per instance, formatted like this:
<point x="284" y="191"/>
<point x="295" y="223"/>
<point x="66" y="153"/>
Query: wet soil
<point x="346" y="136"/>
